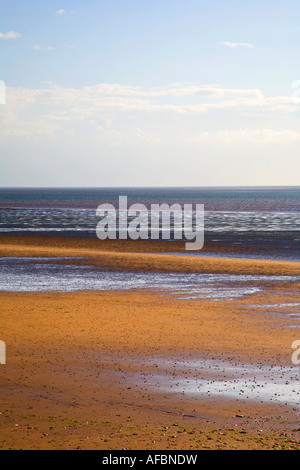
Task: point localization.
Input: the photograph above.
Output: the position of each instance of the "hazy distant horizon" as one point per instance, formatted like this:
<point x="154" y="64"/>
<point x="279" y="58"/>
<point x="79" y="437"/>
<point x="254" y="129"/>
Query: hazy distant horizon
<point x="153" y="187"/>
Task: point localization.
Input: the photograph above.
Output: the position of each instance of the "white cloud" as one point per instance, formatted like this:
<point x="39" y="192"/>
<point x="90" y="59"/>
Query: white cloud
<point x="112" y="134"/>
<point x="183" y="90"/>
<point x="65" y="108"/>
<point x="44" y="49"/>
<point x="236" y="44"/>
<point x="60" y="12"/>
<point x="248" y="136"/>
<point x="207" y="98"/>
<point x="10" y="35"/>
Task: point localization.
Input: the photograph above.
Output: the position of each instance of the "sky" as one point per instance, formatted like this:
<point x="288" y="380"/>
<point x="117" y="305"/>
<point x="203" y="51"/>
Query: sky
<point x="149" y="93"/>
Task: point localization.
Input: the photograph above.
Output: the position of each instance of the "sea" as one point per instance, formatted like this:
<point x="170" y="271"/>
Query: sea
<point x="260" y="222"/>
<point x="257" y="223"/>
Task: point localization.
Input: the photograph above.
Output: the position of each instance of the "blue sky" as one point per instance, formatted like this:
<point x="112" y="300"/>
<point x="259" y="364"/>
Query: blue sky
<point x="148" y="92"/>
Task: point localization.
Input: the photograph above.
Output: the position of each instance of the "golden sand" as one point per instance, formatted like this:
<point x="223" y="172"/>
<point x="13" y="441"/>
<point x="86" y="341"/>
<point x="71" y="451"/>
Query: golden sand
<point x="68" y="356"/>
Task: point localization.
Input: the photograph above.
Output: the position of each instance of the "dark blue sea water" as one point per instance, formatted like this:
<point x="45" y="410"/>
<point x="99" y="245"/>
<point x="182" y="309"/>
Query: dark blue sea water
<point x="252" y="222"/>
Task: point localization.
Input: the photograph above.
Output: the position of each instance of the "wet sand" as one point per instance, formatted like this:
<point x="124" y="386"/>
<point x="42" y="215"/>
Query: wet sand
<point x="81" y="367"/>
<point x="139" y="256"/>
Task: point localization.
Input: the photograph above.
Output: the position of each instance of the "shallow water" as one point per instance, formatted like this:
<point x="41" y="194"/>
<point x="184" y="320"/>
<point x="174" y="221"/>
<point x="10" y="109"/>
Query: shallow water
<point x="281" y="305"/>
<point x="218" y="378"/>
<point x="46" y="275"/>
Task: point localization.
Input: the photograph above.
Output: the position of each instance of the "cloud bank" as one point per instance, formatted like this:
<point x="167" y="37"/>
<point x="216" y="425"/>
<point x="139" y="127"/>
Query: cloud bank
<point x="180" y="134"/>
<point x="10" y="35"/>
<point x="236" y="44"/>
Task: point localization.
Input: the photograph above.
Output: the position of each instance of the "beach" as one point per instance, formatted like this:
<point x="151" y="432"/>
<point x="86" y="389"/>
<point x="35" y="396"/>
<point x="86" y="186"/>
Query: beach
<point x="149" y="228"/>
<point x="117" y="369"/>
